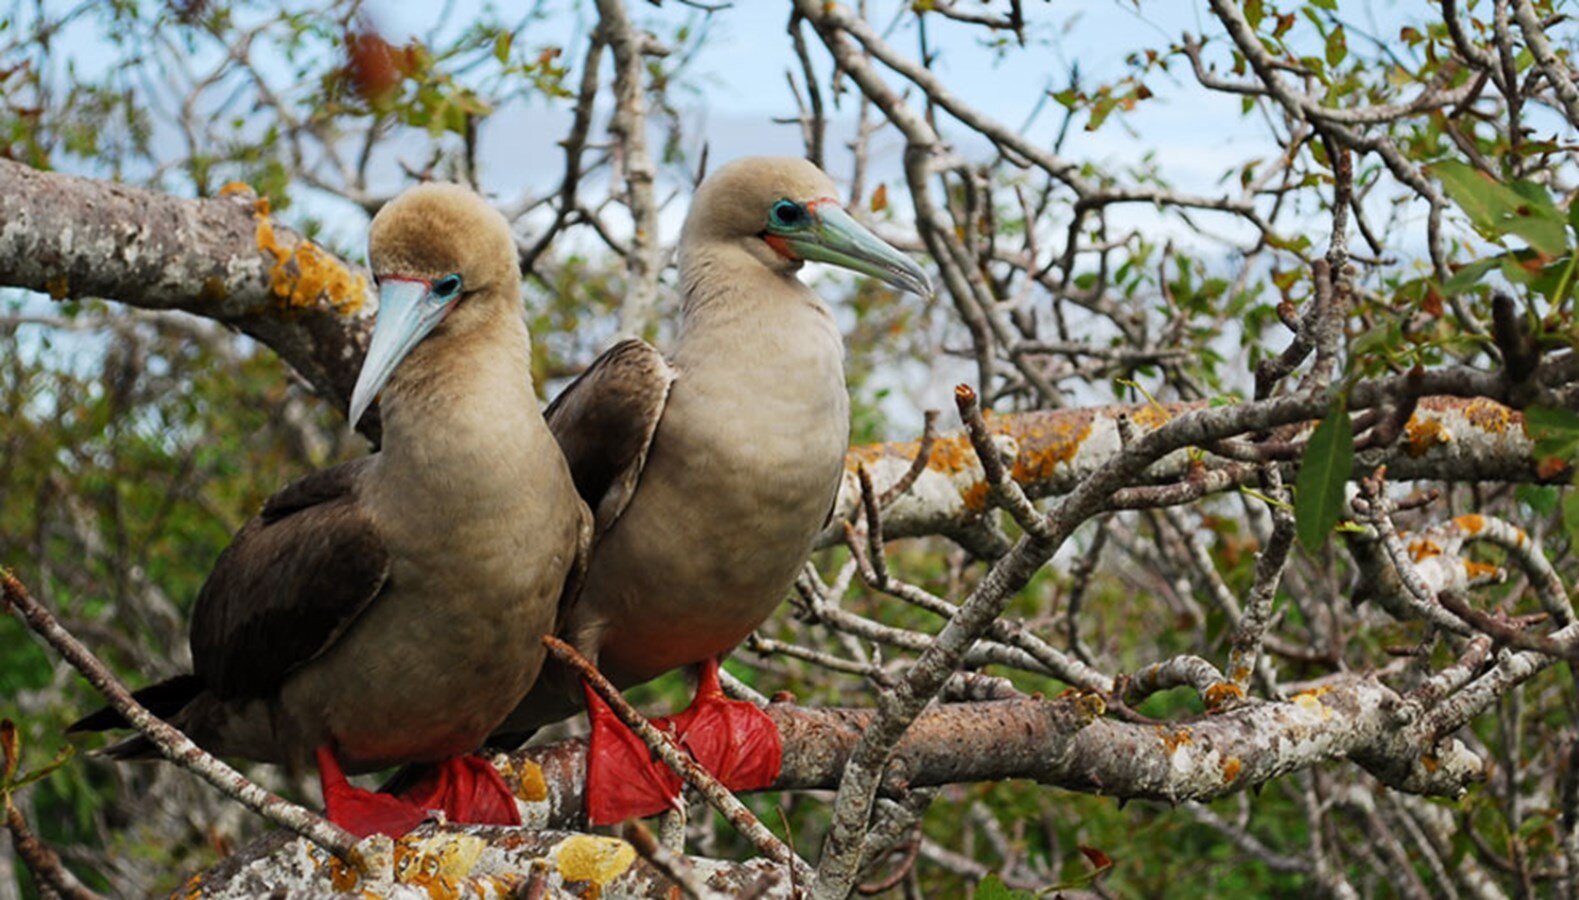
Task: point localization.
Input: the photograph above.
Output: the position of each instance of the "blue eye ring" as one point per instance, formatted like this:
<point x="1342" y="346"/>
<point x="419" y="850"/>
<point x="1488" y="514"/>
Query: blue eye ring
<point x="447" y="287"/>
<point x="787" y="214"/>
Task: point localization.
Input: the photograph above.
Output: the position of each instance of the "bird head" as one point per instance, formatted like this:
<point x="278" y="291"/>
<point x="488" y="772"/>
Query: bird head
<point x="444" y="261"/>
<point x="784" y="211"/>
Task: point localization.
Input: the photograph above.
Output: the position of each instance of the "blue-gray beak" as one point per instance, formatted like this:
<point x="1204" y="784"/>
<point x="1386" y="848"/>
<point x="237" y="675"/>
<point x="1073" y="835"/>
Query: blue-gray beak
<point x="837" y="239"/>
<point x="407" y="310"/>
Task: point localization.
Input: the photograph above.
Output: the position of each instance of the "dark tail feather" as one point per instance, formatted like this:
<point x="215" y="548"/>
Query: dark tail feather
<point x="164" y="700"/>
<point x="134" y="747"/>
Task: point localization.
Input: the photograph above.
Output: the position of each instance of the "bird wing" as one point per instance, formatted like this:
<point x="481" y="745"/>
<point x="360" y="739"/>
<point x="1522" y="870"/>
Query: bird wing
<point x="605" y="421"/>
<point x="290" y="583"/>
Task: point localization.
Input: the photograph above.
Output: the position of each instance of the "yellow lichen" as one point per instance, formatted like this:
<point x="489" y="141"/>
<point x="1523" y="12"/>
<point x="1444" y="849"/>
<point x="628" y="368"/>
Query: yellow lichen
<point x="303" y="273"/>
<point x="1091" y="703"/>
<point x="1421" y="434"/>
<point x="439" y="864"/>
<point x="1488" y="415"/>
<point x="1150" y="416"/>
<point x="1306" y="700"/>
<point x="593" y="860"/>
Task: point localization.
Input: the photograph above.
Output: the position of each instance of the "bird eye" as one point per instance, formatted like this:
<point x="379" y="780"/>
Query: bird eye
<point x="787" y="214"/>
<point x="447" y="287"/>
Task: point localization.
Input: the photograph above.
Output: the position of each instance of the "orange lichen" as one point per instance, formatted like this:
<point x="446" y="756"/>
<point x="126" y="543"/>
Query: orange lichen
<point x="1429" y="763"/>
<point x="58" y="286"/>
<point x="1488" y="415"/>
<point x="233" y="188"/>
<point x="1043" y="439"/>
<point x="1550" y="468"/>
<point x="1221" y="694"/>
<point x="1474" y="570"/>
<point x="1471" y="524"/>
<point x="342" y="877"/>
<point x="1173" y="740"/>
<point x="975" y="496"/>
<point x="439" y="864"/>
<point x="303" y="272"/>
<point x="1421" y="434"/>
<point x="532" y="787"/>
<point x="1047" y="441"/>
<point x="1422" y="550"/>
<point x="1231" y="768"/>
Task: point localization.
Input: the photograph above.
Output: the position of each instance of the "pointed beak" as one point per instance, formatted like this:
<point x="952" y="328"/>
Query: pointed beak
<point x="837" y="239"/>
<point x="407" y="311"/>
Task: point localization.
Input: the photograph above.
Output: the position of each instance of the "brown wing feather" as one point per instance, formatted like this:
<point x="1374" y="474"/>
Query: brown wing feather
<point x="605" y="420"/>
<point x="288" y="585"/>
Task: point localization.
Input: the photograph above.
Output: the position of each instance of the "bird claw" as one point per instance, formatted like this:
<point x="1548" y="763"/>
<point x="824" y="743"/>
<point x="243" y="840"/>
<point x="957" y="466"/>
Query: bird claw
<point x="359" y="811"/>
<point x="731" y="739"/>
<point x="465" y="789"/>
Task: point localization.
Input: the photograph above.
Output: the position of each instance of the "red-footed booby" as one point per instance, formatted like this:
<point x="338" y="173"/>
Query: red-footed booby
<point x="710" y="474"/>
<point x="391" y="609"/>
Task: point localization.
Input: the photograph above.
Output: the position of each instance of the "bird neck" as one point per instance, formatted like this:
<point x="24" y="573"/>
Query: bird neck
<point x="745" y="323"/>
<point x="725" y="274"/>
<point x="461" y="409"/>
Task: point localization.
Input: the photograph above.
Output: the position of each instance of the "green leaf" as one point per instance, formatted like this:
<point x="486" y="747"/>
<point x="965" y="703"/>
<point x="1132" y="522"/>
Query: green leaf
<point x="1571" y="514"/>
<point x="1337" y="46"/>
<point x="1480" y="196"/>
<point x="1470" y="276"/>
<point x="501" y="46"/>
<point x="1323" y="474"/>
<point x="1524" y="209"/>
<point x="1538" y="220"/>
<point x="1556" y="431"/>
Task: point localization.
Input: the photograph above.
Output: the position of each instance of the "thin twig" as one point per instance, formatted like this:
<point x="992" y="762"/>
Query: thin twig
<point x="171" y="743"/>
<point x="665" y="748"/>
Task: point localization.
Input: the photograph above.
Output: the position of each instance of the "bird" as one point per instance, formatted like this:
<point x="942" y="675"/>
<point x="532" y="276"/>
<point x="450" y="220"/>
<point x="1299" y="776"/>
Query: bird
<point x="390" y="610"/>
<point x="709" y="472"/>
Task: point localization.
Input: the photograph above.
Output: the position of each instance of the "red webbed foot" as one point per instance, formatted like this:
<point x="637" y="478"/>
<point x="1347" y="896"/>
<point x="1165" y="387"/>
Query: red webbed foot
<point x="363" y="812"/>
<point x="468" y="789"/>
<point x="732" y="739"/>
<point x="624" y="781"/>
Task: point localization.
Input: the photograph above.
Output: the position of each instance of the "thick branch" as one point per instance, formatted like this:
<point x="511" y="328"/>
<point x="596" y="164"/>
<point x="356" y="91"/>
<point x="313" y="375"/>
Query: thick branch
<point x="1447" y="438"/>
<point x="221" y="258"/>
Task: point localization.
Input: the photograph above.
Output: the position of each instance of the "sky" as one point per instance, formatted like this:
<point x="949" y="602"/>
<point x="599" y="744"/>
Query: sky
<point x="1192" y="136"/>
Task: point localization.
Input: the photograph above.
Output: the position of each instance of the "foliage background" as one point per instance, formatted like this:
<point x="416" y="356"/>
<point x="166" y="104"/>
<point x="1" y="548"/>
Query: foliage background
<point x="135" y="443"/>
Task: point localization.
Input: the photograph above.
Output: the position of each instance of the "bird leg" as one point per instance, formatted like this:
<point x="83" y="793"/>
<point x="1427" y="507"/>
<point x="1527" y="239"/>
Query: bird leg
<point x="731" y="739"/>
<point x="363" y="812"/>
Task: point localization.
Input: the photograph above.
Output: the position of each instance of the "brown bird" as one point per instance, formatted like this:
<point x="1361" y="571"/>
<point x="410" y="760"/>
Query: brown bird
<point x="391" y="609"/>
<point x="710" y="474"/>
